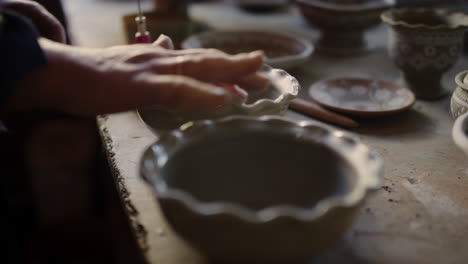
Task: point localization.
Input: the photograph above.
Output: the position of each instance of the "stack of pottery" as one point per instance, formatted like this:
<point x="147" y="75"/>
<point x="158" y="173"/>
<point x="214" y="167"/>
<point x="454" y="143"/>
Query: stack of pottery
<point x="343" y="23"/>
<point x="459" y="102"/>
<point x="425" y="43"/>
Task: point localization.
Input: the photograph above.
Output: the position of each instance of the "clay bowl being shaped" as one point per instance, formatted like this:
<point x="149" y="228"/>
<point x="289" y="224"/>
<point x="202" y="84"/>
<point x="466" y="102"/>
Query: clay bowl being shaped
<point x="460" y="132"/>
<point x="260" y="189"/>
<point x="362" y="97"/>
<point x="282" y="51"/>
<point x="271" y="100"/>
<point x="343" y="23"/>
<point x="424" y="44"/>
<point x="459" y="100"/>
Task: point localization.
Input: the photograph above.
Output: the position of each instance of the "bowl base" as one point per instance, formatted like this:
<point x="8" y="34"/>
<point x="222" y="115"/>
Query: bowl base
<point x="337" y="43"/>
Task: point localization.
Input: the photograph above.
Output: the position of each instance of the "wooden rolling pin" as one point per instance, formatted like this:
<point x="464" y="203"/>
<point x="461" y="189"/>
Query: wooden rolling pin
<point x="316" y="111"/>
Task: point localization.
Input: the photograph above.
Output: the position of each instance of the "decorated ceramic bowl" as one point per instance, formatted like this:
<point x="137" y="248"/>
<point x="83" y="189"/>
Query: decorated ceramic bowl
<point x="362" y="97"/>
<point x="274" y="99"/>
<point x="459" y="100"/>
<point x="425" y="43"/>
<point x="260" y="189"/>
<point x="460" y="132"/>
<point x="343" y="23"/>
<point x="282" y="51"/>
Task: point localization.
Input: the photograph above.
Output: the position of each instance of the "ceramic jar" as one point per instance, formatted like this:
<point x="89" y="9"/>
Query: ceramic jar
<point x="459" y="101"/>
<point x="343" y="23"/>
<point x="424" y="44"/>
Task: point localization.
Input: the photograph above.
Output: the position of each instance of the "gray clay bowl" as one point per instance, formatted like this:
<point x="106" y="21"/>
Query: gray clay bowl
<point x="260" y="189"/>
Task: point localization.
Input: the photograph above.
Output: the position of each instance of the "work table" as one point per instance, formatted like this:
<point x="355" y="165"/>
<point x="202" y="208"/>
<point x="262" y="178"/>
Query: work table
<point x="418" y="216"/>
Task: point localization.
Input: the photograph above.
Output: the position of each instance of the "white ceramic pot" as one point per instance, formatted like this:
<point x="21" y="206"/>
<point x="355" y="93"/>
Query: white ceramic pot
<point x="459" y="101"/>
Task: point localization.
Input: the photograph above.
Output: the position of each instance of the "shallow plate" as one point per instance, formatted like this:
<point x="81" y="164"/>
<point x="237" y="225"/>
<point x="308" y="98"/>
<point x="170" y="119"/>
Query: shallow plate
<point x="274" y="100"/>
<point x="362" y="97"/>
<point x="282" y="51"/>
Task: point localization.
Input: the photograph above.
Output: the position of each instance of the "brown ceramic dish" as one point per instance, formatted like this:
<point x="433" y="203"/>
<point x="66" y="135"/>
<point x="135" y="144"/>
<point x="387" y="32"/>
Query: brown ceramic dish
<point x="260" y="189"/>
<point x="362" y="97"/>
<point x="283" y="51"/>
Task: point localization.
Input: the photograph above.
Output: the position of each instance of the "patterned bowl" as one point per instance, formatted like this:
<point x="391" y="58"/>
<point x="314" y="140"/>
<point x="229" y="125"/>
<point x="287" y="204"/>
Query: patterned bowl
<point x="343" y="23"/>
<point x="260" y="189"/>
<point x="282" y="51"/>
<point x="425" y="43"/>
<point x="460" y="132"/>
<point x="459" y="100"/>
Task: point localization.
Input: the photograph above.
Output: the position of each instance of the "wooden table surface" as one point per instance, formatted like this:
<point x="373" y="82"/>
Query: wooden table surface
<point x="419" y="216"/>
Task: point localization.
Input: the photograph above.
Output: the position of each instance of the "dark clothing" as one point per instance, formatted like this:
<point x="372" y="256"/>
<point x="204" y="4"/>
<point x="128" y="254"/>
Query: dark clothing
<point x="20" y="52"/>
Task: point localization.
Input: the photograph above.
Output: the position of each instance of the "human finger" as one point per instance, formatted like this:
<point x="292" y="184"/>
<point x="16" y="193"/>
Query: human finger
<point x="46" y="23"/>
<point x="254" y="82"/>
<point x="164" y="42"/>
<point x="177" y="91"/>
<point x="210" y="67"/>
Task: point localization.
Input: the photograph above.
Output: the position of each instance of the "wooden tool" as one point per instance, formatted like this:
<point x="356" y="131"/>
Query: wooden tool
<point x="316" y="111"/>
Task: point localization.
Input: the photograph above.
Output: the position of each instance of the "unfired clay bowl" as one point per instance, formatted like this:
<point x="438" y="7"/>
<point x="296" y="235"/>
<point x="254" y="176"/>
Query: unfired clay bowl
<point x="460" y="132"/>
<point x="260" y="189"/>
<point x="274" y="100"/>
<point x="459" y="100"/>
<point x="282" y="51"/>
<point x="425" y="43"/>
<point x="343" y="23"/>
<point x="362" y="97"/>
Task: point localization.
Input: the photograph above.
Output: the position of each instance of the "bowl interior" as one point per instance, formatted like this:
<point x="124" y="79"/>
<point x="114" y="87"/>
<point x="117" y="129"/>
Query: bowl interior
<point x="259" y="170"/>
<point x="274" y="45"/>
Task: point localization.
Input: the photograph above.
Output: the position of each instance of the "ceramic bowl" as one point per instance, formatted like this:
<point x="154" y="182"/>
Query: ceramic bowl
<point x="261" y="6"/>
<point x="282" y="51"/>
<point x="274" y="100"/>
<point x="460" y="132"/>
<point x="425" y="43"/>
<point x="362" y="97"/>
<point x="343" y="23"/>
<point x="260" y="189"/>
<point x="459" y="100"/>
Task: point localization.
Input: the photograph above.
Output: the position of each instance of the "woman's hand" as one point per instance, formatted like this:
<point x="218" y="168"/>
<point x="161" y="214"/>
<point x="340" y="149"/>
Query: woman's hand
<point x="45" y="22"/>
<point x="87" y="81"/>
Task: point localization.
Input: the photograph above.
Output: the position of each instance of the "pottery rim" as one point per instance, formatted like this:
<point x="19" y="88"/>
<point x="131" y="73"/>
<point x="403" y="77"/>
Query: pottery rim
<point x="459" y="80"/>
<point x="281" y="100"/>
<point x="460" y="132"/>
<point x="308" y="47"/>
<point x="388" y="17"/>
<point x="368" y="164"/>
<point x="349" y="7"/>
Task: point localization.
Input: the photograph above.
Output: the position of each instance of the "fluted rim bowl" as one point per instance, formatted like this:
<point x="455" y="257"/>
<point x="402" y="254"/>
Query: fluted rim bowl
<point x="282" y="50"/>
<point x="364" y="165"/>
<point x="274" y="100"/>
<point x="460" y="132"/>
<point x="348" y="7"/>
<point x="426" y="18"/>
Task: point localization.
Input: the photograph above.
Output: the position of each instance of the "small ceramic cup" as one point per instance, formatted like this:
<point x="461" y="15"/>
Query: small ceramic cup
<point x="425" y="43"/>
<point x="459" y="101"/>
